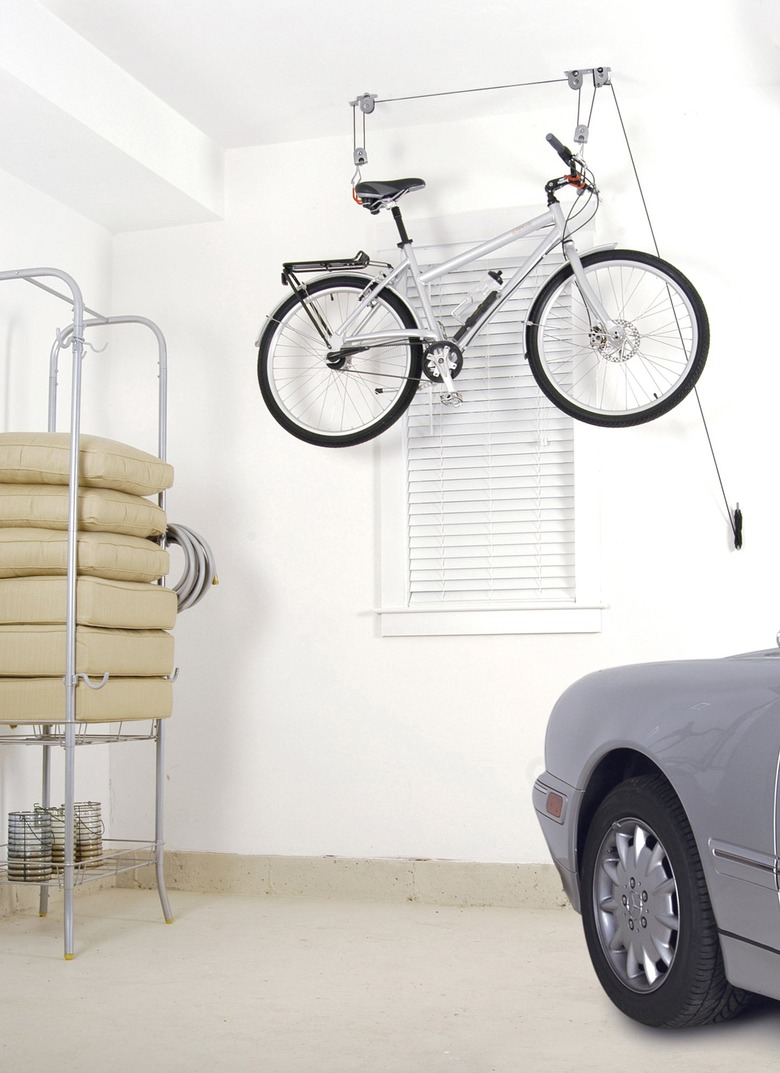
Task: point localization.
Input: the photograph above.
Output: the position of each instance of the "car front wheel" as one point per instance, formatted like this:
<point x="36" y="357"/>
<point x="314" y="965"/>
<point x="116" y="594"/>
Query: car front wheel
<point x="648" y="921"/>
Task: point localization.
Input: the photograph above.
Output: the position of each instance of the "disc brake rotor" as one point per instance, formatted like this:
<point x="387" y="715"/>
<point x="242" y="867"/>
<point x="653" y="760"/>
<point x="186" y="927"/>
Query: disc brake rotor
<point x="616" y="352"/>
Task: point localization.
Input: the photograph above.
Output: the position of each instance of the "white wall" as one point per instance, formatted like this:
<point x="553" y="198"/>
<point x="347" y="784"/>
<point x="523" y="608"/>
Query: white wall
<point x="298" y="730"/>
<point x="39" y="232"/>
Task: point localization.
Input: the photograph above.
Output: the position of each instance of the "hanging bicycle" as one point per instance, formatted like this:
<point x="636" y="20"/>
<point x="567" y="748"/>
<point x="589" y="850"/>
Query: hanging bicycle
<point x="613" y="338"/>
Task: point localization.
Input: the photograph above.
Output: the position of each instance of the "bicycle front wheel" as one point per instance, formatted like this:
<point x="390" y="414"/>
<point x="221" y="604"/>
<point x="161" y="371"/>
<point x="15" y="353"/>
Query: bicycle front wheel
<point x="341" y="399"/>
<point x="664" y="339"/>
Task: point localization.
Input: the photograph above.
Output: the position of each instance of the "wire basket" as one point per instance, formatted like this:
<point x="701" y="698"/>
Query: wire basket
<point x="29" y="846"/>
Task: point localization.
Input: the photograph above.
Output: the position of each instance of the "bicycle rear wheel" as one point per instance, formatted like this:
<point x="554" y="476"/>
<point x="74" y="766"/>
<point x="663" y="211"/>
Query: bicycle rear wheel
<point x="661" y="354"/>
<point x="346" y="400"/>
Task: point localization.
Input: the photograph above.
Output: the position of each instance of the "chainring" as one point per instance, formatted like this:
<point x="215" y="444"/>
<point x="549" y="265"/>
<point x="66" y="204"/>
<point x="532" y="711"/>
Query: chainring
<point x="442" y="350"/>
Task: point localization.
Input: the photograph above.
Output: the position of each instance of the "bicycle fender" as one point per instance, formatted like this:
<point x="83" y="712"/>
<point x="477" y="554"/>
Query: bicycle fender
<point x="598" y="249"/>
<point x="272" y="316"/>
<point x="365" y="280"/>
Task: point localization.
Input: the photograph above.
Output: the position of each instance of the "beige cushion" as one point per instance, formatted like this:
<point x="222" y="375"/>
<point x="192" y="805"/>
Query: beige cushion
<point x="99" y="602"/>
<point x="44" y="458"/>
<point x="28" y="552"/>
<point x="43" y="700"/>
<point x="45" y="506"/>
<point x="39" y="651"/>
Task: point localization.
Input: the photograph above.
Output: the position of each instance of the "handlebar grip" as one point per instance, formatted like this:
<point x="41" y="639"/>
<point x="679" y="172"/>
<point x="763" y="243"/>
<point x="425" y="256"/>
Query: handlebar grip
<point x="563" y="152"/>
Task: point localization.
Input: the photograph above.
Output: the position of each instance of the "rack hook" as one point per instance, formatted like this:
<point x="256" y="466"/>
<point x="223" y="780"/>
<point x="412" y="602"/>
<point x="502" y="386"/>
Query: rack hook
<point x="88" y="681"/>
<point x="63" y="337"/>
<point x="96" y="349"/>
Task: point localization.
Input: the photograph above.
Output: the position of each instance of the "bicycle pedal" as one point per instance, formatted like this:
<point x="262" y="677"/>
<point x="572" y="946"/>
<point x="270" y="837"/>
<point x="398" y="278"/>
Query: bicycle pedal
<point x="451" y="398"/>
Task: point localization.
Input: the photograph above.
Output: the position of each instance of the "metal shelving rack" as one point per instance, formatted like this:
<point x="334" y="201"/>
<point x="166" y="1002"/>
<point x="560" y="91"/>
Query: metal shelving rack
<point x="117" y="856"/>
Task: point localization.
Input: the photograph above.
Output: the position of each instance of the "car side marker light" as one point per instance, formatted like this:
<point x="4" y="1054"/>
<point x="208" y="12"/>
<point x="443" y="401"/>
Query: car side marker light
<point x="554" y="805"/>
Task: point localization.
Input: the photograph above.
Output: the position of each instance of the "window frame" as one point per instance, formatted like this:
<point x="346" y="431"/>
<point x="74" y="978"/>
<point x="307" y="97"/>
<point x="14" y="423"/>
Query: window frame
<point x="397" y="618"/>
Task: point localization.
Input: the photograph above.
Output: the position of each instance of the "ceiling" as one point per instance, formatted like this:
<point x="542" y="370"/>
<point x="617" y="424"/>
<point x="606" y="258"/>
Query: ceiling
<point x="249" y="72"/>
<point x="139" y="100"/>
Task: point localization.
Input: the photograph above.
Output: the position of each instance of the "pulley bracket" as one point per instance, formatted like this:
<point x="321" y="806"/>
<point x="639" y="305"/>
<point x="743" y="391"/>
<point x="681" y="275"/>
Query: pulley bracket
<point x="601" y="76"/>
<point x="366" y="102"/>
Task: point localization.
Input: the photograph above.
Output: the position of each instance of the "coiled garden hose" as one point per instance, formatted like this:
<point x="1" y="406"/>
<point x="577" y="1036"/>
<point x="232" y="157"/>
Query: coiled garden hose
<point x="200" y="570"/>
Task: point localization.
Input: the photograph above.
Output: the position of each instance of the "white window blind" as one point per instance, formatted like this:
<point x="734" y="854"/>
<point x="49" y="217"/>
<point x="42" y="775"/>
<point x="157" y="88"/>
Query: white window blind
<point x="489" y="484"/>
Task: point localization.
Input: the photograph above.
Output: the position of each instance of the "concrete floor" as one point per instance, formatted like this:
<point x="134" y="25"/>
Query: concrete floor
<point x="283" y="985"/>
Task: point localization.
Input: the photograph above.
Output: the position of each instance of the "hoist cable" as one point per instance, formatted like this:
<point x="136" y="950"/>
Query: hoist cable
<point x="354" y="128"/>
<point x="579" y="106"/>
<point x="476" y="89"/>
<point x="424" y="96"/>
<point x="735" y="519"/>
<point x="634" y="168"/>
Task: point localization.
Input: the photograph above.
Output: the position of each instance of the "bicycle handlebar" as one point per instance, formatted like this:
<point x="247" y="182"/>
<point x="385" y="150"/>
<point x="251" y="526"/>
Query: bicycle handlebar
<point x="578" y="176"/>
<point x="563" y="152"/>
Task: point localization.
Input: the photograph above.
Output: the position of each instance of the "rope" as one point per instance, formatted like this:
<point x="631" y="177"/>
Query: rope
<point x="199" y="567"/>
<point x="735" y="519"/>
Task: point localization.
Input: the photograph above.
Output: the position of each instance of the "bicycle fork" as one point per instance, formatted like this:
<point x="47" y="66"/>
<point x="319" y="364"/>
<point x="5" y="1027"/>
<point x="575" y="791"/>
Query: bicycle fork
<point x="615" y="332"/>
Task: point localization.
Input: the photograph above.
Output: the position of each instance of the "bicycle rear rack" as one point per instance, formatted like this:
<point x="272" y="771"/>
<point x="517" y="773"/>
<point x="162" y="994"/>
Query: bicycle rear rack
<point x="339" y="264"/>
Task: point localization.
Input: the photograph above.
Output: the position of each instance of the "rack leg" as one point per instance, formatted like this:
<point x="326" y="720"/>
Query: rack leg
<point x="158" y="822"/>
<point x="70" y="836"/>
<point x="43" y="903"/>
<point x="68" y="911"/>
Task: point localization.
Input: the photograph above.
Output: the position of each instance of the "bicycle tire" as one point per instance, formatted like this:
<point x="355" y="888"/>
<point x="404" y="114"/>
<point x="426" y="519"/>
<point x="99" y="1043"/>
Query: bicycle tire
<point x="347" y="404"/>
<point x="659" y="361"/>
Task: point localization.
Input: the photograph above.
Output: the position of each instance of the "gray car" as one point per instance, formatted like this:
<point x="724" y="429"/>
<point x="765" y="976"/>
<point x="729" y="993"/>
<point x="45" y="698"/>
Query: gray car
<point x="661" y="809"/>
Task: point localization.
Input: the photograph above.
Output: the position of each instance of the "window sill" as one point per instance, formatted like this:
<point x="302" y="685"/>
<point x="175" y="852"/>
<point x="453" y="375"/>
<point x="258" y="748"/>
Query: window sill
<point x="464" y="620"/>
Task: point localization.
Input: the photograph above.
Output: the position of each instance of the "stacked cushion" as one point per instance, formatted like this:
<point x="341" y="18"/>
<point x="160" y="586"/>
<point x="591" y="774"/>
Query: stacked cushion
<point x="99" y="601"/>
<point x="122" y="615"/>
<point x="44" y="458"/>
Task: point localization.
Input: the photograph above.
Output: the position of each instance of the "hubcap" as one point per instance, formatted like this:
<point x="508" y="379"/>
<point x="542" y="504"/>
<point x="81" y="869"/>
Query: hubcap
<point x="636" y="905"/>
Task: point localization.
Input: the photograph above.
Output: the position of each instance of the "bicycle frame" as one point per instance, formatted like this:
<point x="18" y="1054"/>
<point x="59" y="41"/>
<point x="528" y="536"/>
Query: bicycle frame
<point x="553" y="219"/>
<point x="339" y="384"/>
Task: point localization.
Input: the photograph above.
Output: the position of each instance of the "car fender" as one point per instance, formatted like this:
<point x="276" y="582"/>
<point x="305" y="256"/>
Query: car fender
<point x="712" y="727"/>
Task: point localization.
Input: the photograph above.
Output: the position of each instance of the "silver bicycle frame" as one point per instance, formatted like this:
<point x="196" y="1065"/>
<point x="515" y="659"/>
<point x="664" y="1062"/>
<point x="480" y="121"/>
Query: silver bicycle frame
<point x="553" y="219"/>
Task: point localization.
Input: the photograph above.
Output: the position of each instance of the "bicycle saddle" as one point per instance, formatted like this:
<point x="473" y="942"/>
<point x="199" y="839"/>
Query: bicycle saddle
<point x="373" y="195"/>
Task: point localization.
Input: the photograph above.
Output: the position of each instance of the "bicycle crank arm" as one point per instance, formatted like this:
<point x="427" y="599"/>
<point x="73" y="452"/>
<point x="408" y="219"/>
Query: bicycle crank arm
<point x="440" y="361"/>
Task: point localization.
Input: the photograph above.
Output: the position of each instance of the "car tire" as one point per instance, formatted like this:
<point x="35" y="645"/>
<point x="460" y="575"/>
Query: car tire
<point x="646" y="912"/>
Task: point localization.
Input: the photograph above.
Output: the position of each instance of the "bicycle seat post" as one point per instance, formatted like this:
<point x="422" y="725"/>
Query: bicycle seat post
<point x="399" y="223"/>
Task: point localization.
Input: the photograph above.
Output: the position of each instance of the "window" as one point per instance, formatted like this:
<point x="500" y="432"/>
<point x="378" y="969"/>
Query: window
<point x="483" y="527"/>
